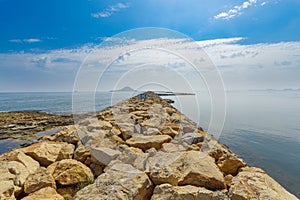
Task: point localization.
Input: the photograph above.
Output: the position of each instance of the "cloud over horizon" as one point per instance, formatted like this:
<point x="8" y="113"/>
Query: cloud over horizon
<point x="260" y="65"/>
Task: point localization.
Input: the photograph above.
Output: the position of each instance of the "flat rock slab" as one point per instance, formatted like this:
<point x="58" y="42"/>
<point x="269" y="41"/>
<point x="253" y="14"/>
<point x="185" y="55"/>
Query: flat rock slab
<point x="121" y="181"/>
<point x="104" y="155"/>
<point x="145" y="142"/>
<point x="186" y="168"/>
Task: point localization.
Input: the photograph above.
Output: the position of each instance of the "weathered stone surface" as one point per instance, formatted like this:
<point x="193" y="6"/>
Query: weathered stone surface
<point x="121" y="181"/>
<point x="47" y="193"/>
<point x="168" y="131"/>
<point x="71" y="172"/>
<point x="31" y="164"/>
<point x="186" y="168"/>
<point x="188" y="192"/>
<point x="254" y="183"/>
<point x="48" y="152"/>
<point x="146" y="142"/>
<point x="171" y="148"/>
<point x="40" y="179"/>
<point x="7" y="189"/>
<point x="68" y="192"/>
<point x="192" y="138"/>
<point x="230" y="165"/>
<point x="104" y="155"/>
<point x="81" y="153"/>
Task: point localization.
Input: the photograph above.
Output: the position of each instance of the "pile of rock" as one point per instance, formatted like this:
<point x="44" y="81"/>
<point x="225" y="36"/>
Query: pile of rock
<point x="137" y="149"/>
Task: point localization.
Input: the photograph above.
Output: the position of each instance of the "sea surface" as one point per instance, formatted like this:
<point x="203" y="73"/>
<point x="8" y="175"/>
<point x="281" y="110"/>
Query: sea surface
<point x="262" y="127"/>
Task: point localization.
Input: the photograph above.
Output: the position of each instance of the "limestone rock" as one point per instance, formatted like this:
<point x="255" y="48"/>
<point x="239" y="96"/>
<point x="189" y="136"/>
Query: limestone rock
<point x="146" y="142"/>
<point x="40" y="179"/>
<point x="231" y="165"/>
<point x="104" y="155"/>
<point x="31" y="164"/>
<point x="7" y="189"/>
<point x="171" y="148"/>
<point x="169" y="131"/>
<point x="47" y="193"/>
<point x="48" y="152"/>
<point x="71" y="172"/>
<point x="121" y="181"/>
<point x="192" y="138"/>
<point x="254" y="183"/>
<point x="186" y="168"/>
<point x="188" y="192"/>
<point x="68" y="192"/>
<point x="81" y="153"/>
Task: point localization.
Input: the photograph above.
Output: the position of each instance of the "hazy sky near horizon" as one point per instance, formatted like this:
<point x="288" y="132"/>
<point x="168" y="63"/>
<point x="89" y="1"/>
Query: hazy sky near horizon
<point x="255" y="44"/>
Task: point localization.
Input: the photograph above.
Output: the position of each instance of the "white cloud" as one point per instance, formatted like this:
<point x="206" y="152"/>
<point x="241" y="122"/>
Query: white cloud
<point x="110" y="10"/>
<point x="29" y="40"/>
<point x="236" y="10"/>
<point x="236" y="62"/>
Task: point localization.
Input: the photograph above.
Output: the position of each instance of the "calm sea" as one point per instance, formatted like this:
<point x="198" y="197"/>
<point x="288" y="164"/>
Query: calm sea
<point x="262" y="127"/>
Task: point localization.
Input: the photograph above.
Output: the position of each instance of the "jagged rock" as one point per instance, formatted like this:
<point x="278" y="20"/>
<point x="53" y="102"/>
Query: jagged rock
<point x="104" y="155"/>
<point x="171" y="148"/>
<point x="127" y="130"/>
<point x="169" y="131"/>
<point x="40" y="179"/>
<point x="68" y="192"/>
<point x="188" y="192"/>
<point x="186" y="168"/>
<point x="151" y="131"/>
<point x="146" y="142"/>
<point x="31" y="164"/>
<point x="7" y="189"/>
<point x="66" y="134"/>
<point x="192" y="138"/>
<point x="231" y="165"/>
<point x="121" y="181"/>
<point x="44" y="194"/>
<point x="134" y="156"/>
<point x="71" y="172"/>
<point x="226" y="160"/>
<point x="14" y="173"/>
<point x="254" y="183"/>
<point x="81" y="153"/>
<point x="104" y="125"/>
<point x="48" y="152"/>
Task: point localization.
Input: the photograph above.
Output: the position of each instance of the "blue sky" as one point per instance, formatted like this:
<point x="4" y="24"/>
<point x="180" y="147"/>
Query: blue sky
<point x="33" y="34"/>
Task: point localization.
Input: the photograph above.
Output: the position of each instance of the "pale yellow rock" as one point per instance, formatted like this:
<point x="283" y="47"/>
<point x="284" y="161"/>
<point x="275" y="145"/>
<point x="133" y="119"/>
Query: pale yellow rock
<point x="186" y="168"/>
<point x="188" y="192"/>
<point x="40" y="179"/>
<point x="71" y="172"/>
<point x="47" y="193"/>
<point x="48" y="152"/>
<point x="7" y="189"/>
<point x="31" y="164"/>
<point x="146" y="142"/>
<point x="121" y="181"/>
<point x="81" y="153"/>
<point x="169" y="131"/>
<point x="254" y="183"/>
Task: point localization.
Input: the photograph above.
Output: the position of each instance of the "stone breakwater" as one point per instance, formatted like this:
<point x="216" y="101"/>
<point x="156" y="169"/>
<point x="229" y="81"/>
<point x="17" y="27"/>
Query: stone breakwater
<point x="137" y="149"/>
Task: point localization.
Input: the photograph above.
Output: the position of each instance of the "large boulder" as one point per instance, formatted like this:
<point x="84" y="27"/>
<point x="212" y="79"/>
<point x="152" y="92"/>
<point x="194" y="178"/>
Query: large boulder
<point x="145" y="142"/>
<point x="31" y="164"/>
<point x="104" y="155"/>
<point x="47" y="153"/>
<point x="187" y="192"/>
<point x="120" y="181"/>
<point x="254" y="183"/>
<point x="12" y="177"/>
<point x="186" y="168"/>
<point x="47" y="193"/>
<point x="40" y="179"/>
<point x="71" y="172"/>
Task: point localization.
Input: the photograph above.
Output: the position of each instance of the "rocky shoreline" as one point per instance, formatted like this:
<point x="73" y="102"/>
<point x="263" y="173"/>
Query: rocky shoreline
<point x="137" y="149"/>
<point x="26" y="124"/>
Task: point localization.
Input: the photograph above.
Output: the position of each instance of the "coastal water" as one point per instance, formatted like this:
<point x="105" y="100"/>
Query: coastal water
<point x="262" y="127"/>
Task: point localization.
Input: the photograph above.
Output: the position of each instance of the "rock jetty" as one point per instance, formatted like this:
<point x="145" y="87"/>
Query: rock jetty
<point x="139" y="149"/>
